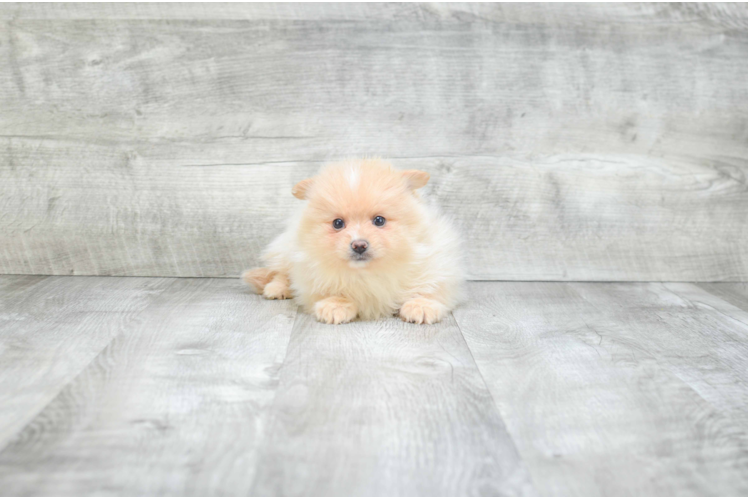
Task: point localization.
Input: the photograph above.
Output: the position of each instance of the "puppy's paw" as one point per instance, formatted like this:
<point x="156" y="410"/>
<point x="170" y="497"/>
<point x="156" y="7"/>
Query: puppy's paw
<point x="258" y="278"/>
<point x="276" y="290"/>
<point x="335" y="310"/>
<point x="420" y="310"/>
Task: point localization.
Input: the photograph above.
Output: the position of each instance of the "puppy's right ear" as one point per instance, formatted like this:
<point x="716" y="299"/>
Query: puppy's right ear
<point x="301" y="188"/>
<point x="415" y="179"/>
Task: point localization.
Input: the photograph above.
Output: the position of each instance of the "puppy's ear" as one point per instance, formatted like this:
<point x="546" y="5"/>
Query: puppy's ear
<point x="415" y="179"/>
<point x="301" y="188"/>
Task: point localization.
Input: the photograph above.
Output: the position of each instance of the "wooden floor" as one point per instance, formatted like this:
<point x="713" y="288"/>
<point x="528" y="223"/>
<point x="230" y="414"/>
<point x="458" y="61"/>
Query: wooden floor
<point x="135" y="386"/>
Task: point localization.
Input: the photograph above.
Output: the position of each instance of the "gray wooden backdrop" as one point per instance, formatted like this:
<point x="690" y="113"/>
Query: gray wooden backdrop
<point x="579" y="142"/>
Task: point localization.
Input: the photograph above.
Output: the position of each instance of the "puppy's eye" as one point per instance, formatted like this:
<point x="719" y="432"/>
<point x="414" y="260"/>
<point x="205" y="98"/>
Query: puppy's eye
<point x="338" y="223"/>
<point x="379" y="220"/>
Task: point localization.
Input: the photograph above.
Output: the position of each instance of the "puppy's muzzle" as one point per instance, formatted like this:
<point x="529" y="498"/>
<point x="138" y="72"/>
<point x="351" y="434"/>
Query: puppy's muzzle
<point x="359" y="246"/>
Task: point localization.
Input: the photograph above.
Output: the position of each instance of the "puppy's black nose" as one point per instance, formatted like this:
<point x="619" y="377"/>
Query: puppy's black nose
<point x="359" y="246"/>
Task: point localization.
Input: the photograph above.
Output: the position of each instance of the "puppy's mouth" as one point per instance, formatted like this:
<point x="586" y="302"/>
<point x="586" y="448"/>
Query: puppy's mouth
<point x="359" y="260"/>
<point x="360" y="257"/>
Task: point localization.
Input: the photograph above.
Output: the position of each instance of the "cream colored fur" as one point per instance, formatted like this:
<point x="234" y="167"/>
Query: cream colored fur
<point x="414" y="268"/>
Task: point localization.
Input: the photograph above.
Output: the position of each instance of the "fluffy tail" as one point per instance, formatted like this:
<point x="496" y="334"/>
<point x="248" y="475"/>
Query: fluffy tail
<point x="258" y="278"/>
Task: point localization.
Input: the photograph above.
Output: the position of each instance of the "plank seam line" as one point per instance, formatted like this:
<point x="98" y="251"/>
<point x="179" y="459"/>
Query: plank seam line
<point x="72" y="379"/>
<point x="269" y="413"/>
<point x="496" y="407"/>
<point x="703" y="304"/>
<point x="478" y="280"/>
<point x="727" y="301"/>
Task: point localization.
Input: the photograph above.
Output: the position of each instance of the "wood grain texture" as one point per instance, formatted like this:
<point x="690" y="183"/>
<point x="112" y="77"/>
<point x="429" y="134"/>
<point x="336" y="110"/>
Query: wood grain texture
<point x="734" y="293"/>
<point x="51" y="329"/>
<point x="718" y="14"/>
<point x="562" y="218"/>
<point x="593" y="383"/>
<point x="586" y="142"/>
<point x="700" y="338"/>
<point x="175" y="407"/>
<point x="136" y="386"/>
<point x="385" y="408"/>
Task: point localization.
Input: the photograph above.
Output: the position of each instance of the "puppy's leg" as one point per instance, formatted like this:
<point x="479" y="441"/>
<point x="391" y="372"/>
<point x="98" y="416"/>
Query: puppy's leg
<point x="335" y="310"/>
<point x="258" y="278"/>
<point x="423" y="310"/>
<point x="278" y="288"/>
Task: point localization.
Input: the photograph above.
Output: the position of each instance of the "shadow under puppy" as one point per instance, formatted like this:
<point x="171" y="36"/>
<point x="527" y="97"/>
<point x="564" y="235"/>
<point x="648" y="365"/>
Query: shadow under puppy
<point x="365" y="244"/>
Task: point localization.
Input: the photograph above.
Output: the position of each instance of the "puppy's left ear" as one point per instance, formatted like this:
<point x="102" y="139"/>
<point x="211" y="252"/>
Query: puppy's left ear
<point x="301" y="188"/>
<point x="415" y="179"/>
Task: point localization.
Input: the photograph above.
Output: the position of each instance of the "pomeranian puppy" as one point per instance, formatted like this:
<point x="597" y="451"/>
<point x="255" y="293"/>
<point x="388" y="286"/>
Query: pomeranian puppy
<point x="364" y="245"/>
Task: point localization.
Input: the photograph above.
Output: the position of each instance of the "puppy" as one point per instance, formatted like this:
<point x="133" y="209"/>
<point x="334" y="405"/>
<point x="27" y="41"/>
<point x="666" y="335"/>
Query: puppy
<point x="364" y="245"/>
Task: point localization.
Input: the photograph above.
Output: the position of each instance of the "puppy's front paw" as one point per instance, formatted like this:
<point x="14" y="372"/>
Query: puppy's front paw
<point x="258" y="278"/>
<point x="335" y="310"/>
<point x="422" y="310"/>
<point x="276" y="290"/>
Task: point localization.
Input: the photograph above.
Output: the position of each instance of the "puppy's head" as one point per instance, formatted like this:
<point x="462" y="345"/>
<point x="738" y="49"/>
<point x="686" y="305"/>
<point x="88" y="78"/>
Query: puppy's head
<point x="360" y="214"/>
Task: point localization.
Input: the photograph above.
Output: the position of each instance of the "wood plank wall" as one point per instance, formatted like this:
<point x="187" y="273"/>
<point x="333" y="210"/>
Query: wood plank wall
<point x="569" y="142"/>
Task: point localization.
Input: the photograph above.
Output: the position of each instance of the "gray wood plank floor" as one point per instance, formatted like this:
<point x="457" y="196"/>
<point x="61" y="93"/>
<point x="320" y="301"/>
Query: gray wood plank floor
<point x="607" y="388"/>
<point x="164" y="386"/>
<point x="385" y="408"/>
